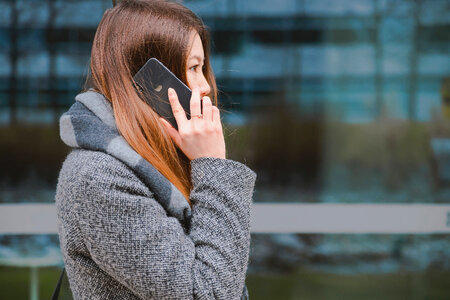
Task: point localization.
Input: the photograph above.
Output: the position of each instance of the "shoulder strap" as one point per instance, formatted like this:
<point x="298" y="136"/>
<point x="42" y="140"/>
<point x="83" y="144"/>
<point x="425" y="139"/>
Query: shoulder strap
<point x="58" y="286"/>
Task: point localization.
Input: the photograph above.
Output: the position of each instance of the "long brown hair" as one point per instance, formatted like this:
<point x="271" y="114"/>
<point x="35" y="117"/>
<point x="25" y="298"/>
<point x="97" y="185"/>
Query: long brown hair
<point x="128" y="35"/>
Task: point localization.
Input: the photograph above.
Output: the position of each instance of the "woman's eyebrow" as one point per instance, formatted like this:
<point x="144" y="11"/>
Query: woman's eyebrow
<point x="197" y="57"/>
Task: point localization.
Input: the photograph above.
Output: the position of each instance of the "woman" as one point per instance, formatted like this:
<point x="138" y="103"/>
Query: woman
<point x="146" y="211"/>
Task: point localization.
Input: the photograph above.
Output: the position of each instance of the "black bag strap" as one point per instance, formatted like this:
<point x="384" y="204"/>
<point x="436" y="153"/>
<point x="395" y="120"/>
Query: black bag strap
<point x="58" y="286"/>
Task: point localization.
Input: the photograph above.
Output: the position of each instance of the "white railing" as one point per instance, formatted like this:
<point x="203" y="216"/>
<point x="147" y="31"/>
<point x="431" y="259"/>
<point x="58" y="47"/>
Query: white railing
<point x="29" y="218"/>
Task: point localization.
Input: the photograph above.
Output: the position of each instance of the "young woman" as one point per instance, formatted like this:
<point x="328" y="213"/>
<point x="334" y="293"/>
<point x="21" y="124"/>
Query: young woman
<point x="146" y="211"/>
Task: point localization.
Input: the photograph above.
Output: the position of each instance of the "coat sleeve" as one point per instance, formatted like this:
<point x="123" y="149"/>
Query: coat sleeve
<point x="130" y="236"/>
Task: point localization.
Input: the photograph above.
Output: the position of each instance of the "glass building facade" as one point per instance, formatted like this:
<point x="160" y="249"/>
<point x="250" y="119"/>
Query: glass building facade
<point x="328" y="101"/>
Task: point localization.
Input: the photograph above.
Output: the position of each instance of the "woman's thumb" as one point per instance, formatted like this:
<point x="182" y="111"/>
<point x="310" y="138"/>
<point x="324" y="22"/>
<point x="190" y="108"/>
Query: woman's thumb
<point x="172" y="131"/>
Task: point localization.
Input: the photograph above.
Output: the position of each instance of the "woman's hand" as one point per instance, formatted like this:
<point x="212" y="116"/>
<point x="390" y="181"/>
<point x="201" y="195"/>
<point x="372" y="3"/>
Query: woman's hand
<point x="199" y="136"/>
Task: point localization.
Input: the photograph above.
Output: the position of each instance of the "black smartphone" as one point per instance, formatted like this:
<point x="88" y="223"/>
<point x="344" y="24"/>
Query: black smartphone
<point x="153" y="81"/>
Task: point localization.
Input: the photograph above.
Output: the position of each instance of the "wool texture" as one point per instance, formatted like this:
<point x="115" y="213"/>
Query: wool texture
<point x="126" y="232"/>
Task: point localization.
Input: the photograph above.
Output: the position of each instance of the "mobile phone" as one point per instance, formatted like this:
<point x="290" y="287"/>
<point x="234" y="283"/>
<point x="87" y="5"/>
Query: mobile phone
<point x="153" y="81"/>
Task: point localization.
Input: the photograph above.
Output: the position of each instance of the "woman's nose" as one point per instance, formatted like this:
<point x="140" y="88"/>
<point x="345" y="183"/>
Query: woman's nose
<point x="205" y="89"/>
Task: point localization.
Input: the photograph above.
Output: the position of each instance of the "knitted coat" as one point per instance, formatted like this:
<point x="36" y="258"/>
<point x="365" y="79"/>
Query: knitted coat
<point x="123" y="230"/>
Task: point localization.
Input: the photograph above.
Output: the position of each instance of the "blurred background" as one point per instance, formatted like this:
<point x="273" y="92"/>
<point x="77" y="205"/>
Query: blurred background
<point x="329" y="101"/>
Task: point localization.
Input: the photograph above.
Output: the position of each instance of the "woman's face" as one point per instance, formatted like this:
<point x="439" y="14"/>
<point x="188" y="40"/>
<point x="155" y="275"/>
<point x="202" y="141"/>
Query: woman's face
<point x="194" y="66"/>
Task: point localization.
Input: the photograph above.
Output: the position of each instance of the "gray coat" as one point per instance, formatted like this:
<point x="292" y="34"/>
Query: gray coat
<point x="119" y="242"/>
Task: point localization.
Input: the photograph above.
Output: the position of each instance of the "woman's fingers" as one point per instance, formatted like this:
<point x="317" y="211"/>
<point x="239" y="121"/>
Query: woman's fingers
<point x="216" y="117"/>
<point x="177" y="109"/>
<point x="207" y="109"/>
<point x="198" y="137"/>
<point x="195" y="103"/>
<point x="172" y="131"/>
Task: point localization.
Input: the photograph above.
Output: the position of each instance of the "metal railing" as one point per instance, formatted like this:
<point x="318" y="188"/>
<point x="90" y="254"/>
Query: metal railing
<point x="26" y="218"/>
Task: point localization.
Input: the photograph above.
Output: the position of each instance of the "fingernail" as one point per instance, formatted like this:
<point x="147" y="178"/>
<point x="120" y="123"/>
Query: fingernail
<point x="171" y="91"/>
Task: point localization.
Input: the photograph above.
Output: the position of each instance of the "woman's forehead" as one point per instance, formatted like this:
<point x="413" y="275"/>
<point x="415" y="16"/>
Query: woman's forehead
<point x="196" y="50"/>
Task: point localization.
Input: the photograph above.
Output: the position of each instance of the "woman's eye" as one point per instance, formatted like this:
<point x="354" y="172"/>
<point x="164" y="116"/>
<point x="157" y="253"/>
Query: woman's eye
<point x="196" y="67"/>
